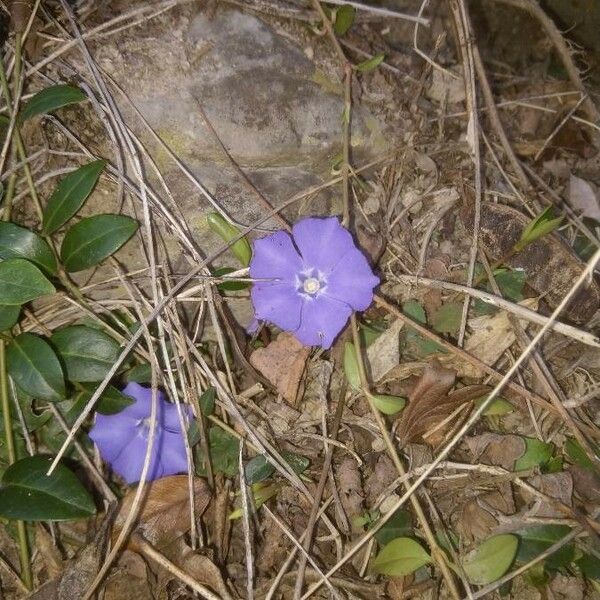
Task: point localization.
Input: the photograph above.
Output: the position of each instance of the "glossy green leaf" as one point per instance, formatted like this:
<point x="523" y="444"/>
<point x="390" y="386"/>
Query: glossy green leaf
<point x="51" y="99"/>
<point x="241" y="249"/>
<point x="510" y="282"/>
<point x="536" y="453"/>
<point x="20" y="242"/>
<point x="446" y="319"/>
<point x="28" y="494"/>
<point x="298" y="462"/>
<point x="400" y="557"/>
<point x="344" y="19"/>
<point x="258" y="469"/>
<point x="399" y="525"/>
<point x="9" y="315"/>
<point x="537" y="228"/>
<point x="111" y="402"/>
<point x="489" y="561"/>
<point x="498" y="407"/>
<point x="87" y="353"/>
<point x="371" y="63"/>
<point x="70" y="194"/>
<point x="21" y="282"/>
<point x="92" y="240"/>
<point x="535" y="540"/>
<point x="35" y="368"/>
<point x="224" y="450"/>
<point x="351" y="366"/>
<point x="388" y="405"/>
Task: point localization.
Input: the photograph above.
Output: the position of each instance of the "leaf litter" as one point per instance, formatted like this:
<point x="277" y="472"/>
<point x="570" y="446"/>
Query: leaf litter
<point x="513" y="470"/>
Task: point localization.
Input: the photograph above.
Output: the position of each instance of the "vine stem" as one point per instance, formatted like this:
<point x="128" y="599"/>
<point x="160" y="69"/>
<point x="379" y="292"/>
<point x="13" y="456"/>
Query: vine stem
<point x="437" y="553"/>
<point x="24" y="556"/>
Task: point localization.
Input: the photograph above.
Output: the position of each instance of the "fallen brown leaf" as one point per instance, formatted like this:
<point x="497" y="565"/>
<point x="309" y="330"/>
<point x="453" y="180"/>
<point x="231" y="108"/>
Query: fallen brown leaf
<point x="496" y="450"/>
<point x="430" y="403"/>
<point x="283" y="362"/>
<point x="165" y="511"/>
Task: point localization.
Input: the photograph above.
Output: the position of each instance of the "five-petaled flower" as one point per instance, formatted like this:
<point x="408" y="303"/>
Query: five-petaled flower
<point x="122" y="438"/>
<point x="310" y="282"/>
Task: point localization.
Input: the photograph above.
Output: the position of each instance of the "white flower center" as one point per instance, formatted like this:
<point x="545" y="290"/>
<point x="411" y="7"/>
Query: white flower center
<point x="311" y="285"/>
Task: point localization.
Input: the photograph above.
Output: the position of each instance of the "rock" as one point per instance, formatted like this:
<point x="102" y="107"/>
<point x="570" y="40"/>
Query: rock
<point x="276" y="113"/>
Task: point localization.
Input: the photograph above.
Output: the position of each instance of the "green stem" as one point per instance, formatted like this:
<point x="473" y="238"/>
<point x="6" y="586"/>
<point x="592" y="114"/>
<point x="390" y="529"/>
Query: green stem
<point x="26" y="573"/>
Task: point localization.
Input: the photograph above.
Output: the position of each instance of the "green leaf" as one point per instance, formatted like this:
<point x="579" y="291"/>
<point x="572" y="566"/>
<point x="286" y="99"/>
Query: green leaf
<point x="536" y="453"/>
<point x="498" y="407"/>
<point x="351" y="366"/>
<point x="399" y="525"/>
<point x="224" y="449"/>
<point x="261" y="492"/>
<point x="371" y="63"/>
<point x="93" y="239"/>
<point x="28" y="494"/>
<point x="538" y="227"/>
<point x="510" y="282"/>
<point x="21" y="282"/>
<point x="400" y="557"/>
<point x="388" y="405"/>
<point x="9" y="315"/>
<point x="415" y="311"/>
<point x="258" y="469"/>
<point x="51" y="99"/>
<point x="111" y="402"/>
<point x="35" y="368"/>
<point x="139" y="374"/>
<point x="70" y="194"/>
<point x="446" y="319"/>
<point x="207" y="401"/>
<point x="344" y="19"/>
<point x="535" y="540"/>
<point x="229" y="286"/>
<point x="490" y="560"/>
<point x="241" y="249"/>
<point x="298" y="462"/>
<point x="87" y="353"/>
<point x="579" y="456"/>
<point x="589" y="565"/>
<point x="20" y="242"/>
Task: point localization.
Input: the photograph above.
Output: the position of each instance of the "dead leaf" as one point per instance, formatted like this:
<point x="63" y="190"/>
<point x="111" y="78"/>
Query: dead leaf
<point x="476" y="522"/>
<point x="165" y="510"/>
<point x="384" y="353"/>
<point x="550" y="265"/>
<point x="350" y="487"/>
<point x="445" y="88"/>
<point x="584" y="197"/>
<point x="283" y="362"/>
<point x="492" y="335"/>
<point x="496" y="450"/>
<point x="130" y="579"/>
<point x="49" y="553"/>
<point x="553" y="485"/>
<point x="430" y="403"/>
<point x="567" y="588"/>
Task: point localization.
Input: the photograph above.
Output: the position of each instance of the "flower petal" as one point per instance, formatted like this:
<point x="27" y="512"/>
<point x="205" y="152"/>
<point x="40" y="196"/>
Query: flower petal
<point x="143" y="401"/>
<point x="322" y="319"/>
<point x="111" y="435"/>
<point x="130" y="461"/>
<point x="322" y="242"/>
<point x="171" y="422"/>
<point x="173" y="458"/>
<point x="280" y="304"/>
<point x="275" y="257"/>
<point x="352" y="281"/>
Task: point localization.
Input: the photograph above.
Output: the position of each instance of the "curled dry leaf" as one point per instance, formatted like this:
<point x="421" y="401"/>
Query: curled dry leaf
<point x="549" y="264"/>
<point x="283" y="362"/>
<point x="350" y="487"/>
<point x="384" y="353"/>
<point x="430" y="403"/>
<point x="164" y="514"/>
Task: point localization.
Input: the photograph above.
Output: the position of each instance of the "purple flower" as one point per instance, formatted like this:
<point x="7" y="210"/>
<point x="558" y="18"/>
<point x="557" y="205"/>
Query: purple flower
<point x="314" y="280"/>
<point x="122" y="438"/>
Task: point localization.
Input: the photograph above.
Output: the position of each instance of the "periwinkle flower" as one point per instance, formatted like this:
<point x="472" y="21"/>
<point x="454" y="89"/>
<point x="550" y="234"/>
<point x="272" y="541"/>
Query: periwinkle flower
<point x="310" y="282"/>
<point x="122" y="438"/>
